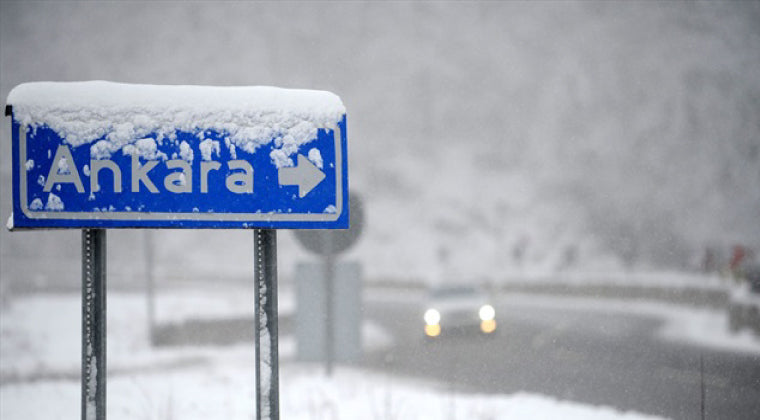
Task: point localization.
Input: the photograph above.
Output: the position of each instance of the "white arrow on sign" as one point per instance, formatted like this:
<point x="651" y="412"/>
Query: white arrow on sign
<point x="305" y="175"/>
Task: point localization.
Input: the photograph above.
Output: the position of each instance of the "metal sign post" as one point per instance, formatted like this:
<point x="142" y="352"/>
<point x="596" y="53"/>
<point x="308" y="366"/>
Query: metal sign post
<point x="329" y="261"/>
<point x="150" y="285"/>
<point x="267" y="352"/>
<point x="93" y="324"/>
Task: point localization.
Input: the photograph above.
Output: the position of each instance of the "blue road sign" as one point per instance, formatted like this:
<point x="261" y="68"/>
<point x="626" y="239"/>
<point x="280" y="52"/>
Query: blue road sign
<point x="188" y="177"/>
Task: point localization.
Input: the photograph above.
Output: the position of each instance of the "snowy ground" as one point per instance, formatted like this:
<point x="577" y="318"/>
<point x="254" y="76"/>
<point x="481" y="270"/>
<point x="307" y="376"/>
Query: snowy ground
<point x="39" y="367"/>
<point x="697" y="326"/>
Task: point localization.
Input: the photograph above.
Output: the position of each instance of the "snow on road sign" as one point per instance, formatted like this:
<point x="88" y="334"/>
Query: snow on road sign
<point x="101" y="154"/>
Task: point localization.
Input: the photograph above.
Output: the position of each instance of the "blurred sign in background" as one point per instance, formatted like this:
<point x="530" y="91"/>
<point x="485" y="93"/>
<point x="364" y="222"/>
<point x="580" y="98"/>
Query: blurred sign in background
<point x="539" y="138"/>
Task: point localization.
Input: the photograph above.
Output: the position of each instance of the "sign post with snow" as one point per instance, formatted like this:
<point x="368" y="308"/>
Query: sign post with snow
<point x="99" y="155"/>
<point x="108" y="155"/>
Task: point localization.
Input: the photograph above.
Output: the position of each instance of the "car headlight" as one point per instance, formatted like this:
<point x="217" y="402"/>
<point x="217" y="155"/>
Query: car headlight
<point x="432" y="317"/>
<point x="487" y="313"/>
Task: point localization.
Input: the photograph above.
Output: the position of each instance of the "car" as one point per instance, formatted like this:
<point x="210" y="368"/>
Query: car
<point x="744" y="302"/>
<point x="458" y="308"/>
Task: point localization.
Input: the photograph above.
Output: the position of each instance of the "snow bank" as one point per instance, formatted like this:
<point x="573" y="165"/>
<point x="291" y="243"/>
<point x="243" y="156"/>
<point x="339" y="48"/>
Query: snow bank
<point x="226" y="392"/>
<point x="116" y="114"/>
<point x="357" y="394"/>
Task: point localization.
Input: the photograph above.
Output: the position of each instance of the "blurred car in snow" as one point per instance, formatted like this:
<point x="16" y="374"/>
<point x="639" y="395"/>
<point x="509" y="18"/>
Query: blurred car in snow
<point x="458" y="308"/>
<point x="744" y="302"/>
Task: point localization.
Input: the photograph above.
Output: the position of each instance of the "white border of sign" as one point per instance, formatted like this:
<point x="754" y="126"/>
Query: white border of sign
<point x="160" y="216"/>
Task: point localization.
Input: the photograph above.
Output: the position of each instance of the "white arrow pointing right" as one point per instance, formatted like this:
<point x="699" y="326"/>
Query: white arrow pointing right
<point x="305" y="175"/>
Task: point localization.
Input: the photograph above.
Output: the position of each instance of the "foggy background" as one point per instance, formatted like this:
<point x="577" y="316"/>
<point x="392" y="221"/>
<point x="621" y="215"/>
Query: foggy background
<point x="487" y="139"/>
